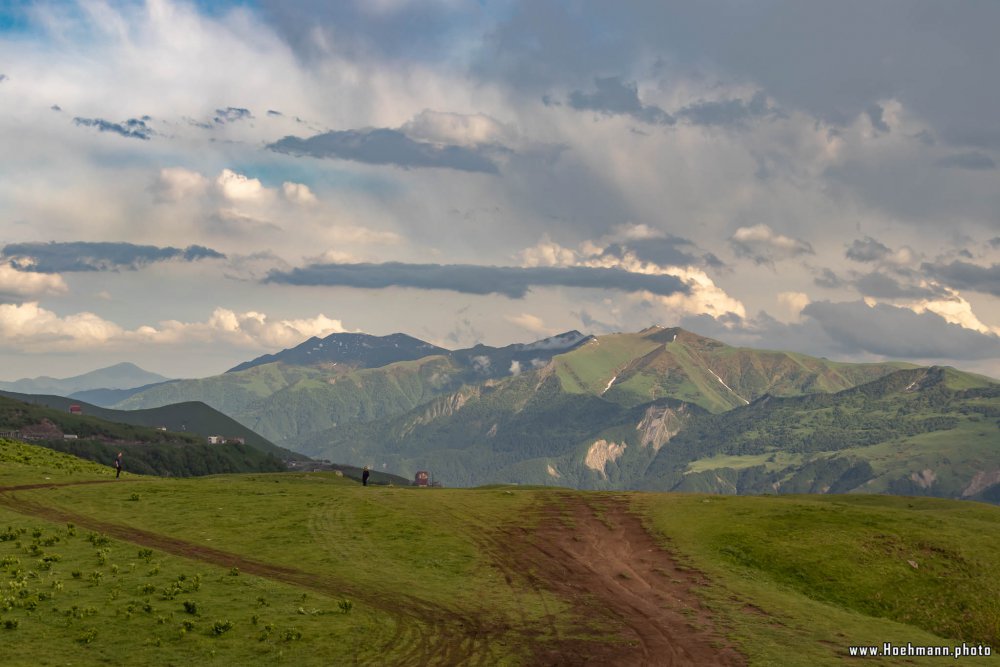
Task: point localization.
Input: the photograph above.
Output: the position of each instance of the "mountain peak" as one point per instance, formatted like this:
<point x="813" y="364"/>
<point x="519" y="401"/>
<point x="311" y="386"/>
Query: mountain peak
<point x="354" y="349"/>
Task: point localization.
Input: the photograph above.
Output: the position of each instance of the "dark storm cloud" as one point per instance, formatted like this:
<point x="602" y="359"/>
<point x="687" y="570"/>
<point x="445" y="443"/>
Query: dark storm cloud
<point x="616" y="97"/>
<point x="867" y="250"/>
<point x="973" y="160"/>
<point x="728" y="113"/>
<point x="133" y="128"/>
<point x="385" y="146"/>
<point x="57" y="257"/>
<point x="942" y="53"/>
<point x="899" y="332"/>
<point x="231" y="115"/>
<point x="513" y="282"/>
<point x="963" y="275"/>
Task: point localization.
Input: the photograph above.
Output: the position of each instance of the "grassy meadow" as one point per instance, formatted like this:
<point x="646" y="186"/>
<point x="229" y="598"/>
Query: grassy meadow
<point x="313" y="569"/>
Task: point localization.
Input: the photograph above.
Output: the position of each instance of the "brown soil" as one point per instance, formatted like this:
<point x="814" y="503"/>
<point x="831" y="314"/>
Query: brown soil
<point x="632" y="603"/>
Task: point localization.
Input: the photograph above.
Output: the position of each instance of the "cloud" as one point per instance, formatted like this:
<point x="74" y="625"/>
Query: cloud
<point x="764" y="246"/>
<point x="973" y="160"/>
<point x="793" y="303"/>
<point x="58" y="257"/>
<point x="298" y="193"/>
<point x="177" y="184"/>
<point x="231" y="115"/>
<point x="133" y="128"/>
<point x="899" y="332"/>
<point x="237" y="187"/>
<point x="3" y="77"/>
<point x="728" y="113"/>
<point x="876" y="114"/>
<point x="29" y="327"/>
<point x="882" y="286"/>
<point x="965" y="275"/>
<point x="274" y="114"/>
<point x="513" y="282"/>
<point x="828" y="279"/>
<point x="458" y="129"/>
<point x="617" y="97"/>
<point x="867" y="250"/>
<point x="531" y="323"/>
<point x="388" y="147"/>
<point x="20" y="284"/>
<point x="624" y="244"/>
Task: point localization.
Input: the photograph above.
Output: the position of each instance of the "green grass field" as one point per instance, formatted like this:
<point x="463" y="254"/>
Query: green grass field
<point x="313" y="569"/>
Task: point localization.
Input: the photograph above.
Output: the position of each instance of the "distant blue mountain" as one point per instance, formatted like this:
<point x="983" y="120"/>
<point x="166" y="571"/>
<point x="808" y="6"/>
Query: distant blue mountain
<point x="119" y="376"/>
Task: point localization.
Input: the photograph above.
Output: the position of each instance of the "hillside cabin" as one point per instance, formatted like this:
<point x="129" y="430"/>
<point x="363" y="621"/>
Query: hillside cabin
<point x="237" y="441"/>
<point x="422" y="478"/>
<point x="216" y="440"/>
<point x="75" y="409"/>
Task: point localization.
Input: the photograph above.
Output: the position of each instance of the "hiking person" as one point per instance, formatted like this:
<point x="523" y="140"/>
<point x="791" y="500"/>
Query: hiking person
<point x="365" y="474"/>
<point x="118" y="466"/>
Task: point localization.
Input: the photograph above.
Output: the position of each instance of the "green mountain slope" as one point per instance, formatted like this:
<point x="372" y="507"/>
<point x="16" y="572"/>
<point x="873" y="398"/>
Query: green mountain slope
<point x="300" y="406"/>
<point x="283" y="402"/>
<point x="632" y="369"/>
<point x="147" y="450"/>
<point x="926" y="431"/>
<point x="193" y="417"/>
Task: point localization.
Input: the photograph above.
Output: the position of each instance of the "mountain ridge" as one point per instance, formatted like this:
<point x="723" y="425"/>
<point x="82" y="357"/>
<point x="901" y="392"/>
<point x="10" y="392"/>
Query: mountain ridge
<point x="124" y="375"/>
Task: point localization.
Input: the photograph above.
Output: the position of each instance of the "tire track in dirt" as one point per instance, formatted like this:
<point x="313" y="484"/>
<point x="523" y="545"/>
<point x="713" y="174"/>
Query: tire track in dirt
<point x="595" y="554"/>
<point x="433" y="635"/>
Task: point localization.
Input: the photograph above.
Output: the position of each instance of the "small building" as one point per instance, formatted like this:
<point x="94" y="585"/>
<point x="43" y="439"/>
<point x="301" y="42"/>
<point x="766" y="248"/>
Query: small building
<point x="161" y="428"/>
<point x="237" y="441"/>
<point x="216" y="440"/>
<point x="70" y="436"/>
<point x="422" y="478"/>
<point x="75" y="409"/>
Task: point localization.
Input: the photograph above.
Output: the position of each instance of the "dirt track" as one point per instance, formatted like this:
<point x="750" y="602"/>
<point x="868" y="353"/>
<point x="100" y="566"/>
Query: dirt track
<point x="596" y="555"/>
<point x="588" y="550"/>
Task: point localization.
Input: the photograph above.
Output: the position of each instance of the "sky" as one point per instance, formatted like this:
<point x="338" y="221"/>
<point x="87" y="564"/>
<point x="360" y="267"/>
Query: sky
<point x="186" y="186"/>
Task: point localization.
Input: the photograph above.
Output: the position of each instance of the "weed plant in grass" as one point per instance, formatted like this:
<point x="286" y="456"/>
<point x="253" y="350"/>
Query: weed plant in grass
<point x="21" y="463"/>
<point x="72" y="597"/>
<point x="821" y="573"/>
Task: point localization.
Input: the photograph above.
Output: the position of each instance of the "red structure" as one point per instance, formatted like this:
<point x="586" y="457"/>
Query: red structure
<point x="422" y="479"/>
<point x="75" y="409"/>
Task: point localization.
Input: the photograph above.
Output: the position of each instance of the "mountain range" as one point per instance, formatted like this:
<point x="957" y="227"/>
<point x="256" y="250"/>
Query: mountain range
<point x="659" y="409"/>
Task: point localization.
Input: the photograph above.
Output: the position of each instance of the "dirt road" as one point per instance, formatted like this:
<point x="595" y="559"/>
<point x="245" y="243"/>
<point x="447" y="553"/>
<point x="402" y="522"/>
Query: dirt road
<point x="596" y="555"/>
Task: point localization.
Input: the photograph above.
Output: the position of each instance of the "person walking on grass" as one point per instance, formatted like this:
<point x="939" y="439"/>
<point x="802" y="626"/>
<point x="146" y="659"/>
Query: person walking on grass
<point x="365" y="474"/>
<point x="118" y="466"/>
